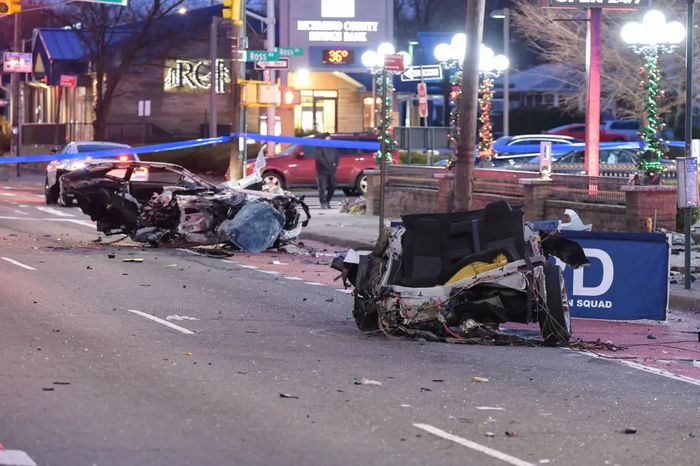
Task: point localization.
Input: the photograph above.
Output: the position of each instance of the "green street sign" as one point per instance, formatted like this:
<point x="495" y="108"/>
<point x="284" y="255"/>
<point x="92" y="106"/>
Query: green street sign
<point x="262" y="55"/>
<point x="110" y="2"/>
<point x="291" y="51"/>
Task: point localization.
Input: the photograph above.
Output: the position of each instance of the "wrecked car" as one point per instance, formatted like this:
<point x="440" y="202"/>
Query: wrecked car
<point x="168" y="204"/>
<point x="456" y="276"/>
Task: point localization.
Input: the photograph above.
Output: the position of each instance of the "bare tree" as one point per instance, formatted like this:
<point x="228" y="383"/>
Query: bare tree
<point x="116" y="39"/>
<point x="559" y="37"/>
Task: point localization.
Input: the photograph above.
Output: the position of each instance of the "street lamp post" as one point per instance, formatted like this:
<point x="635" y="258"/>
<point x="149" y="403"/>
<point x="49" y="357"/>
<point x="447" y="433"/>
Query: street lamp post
<point x="504" y="14"/>
<point x="490" y="67"/>
<point x="649" y="39"/>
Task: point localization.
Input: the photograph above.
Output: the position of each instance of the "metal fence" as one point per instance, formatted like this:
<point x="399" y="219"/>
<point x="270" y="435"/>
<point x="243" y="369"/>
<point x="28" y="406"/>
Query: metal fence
<point x="588" y="189"/>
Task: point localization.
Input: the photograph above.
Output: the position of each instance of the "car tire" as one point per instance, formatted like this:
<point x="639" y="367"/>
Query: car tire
<point x="50" y="193"/>
<point x="361" y="184"/>
<point x="555" y="323"/>
<point x="273" y="179"/>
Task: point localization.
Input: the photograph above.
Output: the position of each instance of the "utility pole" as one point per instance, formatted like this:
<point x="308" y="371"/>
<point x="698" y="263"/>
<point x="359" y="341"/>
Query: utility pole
<point x="14" y="87"/>
<point x="238" y="45"/>
<point x="271" y="76"/>
<point x="464" y="165"/>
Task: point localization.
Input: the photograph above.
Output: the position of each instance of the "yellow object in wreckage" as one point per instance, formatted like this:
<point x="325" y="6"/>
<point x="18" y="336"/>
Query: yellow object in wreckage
<point x="475" y="268"/>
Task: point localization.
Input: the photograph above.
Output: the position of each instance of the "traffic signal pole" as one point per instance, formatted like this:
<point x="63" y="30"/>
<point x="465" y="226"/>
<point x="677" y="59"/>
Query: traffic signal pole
<point x="271" y="76"/>
<point x="14" y="87"/>
<point x="238" y="32"/>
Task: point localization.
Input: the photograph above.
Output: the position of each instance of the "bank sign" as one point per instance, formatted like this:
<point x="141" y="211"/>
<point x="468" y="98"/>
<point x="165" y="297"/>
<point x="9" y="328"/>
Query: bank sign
<point x="627" y="278"/>
<point x="321" y="25"/>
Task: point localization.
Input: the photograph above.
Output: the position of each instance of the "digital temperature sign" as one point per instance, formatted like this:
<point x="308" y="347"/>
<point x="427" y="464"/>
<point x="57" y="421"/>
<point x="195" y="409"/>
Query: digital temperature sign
<point x="338" y="57"/>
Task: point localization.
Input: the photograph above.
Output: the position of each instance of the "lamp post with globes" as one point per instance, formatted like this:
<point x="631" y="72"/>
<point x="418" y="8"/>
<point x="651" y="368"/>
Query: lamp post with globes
<point x="450" y="56"/>
<point x="490" y="67"/>
<point x="504" y="14"/>
<point x="373" y="60"/>
<point x="650" y="38"/>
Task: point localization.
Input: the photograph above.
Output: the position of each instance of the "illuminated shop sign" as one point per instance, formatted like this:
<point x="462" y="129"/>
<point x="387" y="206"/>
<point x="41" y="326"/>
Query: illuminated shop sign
<point x="194" y="75"/>
<point x="338" y="57"/>
<point x="338" y="31"/>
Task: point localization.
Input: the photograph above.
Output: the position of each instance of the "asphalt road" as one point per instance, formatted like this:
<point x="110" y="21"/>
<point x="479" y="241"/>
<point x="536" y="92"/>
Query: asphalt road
<point x="267" y="370"/>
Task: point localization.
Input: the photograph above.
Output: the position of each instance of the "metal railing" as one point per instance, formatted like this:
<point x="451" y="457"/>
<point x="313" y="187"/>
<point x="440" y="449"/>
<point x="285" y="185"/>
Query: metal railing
<point x="588" y="189"/>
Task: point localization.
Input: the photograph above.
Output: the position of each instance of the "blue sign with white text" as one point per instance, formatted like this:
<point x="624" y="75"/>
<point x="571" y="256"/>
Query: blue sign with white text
<point x="627" y="278"/>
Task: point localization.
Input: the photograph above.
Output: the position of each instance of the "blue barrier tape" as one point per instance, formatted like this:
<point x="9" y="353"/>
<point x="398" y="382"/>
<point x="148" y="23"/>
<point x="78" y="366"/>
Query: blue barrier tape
<point x="117" y="152"/>
<point x="338" y="143"/>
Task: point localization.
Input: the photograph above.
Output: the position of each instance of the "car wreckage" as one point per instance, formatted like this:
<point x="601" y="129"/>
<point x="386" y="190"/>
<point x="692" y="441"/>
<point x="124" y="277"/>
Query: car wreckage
<point x="161" y="203"/>
<point x="457" y="276"/>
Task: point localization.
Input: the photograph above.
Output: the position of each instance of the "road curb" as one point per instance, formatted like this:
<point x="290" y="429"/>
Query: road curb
<point x="689" y="303"/>
<point x="334" y="240"/>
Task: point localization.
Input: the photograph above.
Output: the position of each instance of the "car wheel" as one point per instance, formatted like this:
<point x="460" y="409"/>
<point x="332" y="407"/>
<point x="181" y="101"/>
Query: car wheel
<point x="361" y="185"/>
<point x="555" y="323"/>
<point x="50" y="193"/>
<point x="66" y="201"/>
<point x="272" y="180"/>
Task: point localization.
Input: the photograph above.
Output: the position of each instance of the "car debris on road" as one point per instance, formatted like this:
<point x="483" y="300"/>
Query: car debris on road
<point x="174" y="206"/>
<point x="457" y="276"/>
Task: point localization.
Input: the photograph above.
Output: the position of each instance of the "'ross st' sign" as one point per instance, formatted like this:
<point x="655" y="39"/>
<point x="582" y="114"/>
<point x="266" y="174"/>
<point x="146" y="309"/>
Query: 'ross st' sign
<point x="619" y="4"/>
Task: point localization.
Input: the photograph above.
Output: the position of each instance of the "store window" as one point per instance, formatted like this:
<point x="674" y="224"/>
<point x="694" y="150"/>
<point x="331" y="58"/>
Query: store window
<point x="318" y="112"/>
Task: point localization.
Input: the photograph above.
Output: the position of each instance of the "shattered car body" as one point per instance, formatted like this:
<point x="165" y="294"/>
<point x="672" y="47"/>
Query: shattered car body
<point x="173" y="205"/>
<point x="456" y="276"/>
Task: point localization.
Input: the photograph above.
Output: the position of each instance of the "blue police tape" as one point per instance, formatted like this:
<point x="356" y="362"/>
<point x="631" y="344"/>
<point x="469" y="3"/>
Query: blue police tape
<point x="117" y="152"/>
<point x="310" y="141"/>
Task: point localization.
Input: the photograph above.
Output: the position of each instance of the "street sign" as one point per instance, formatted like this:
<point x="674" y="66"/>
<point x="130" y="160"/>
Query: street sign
<point x="291" y="51"/>
<point x="422" y="100"/>
<point x="394" y="62"/>
<point x="687" y="169"/>
<point x="68" y="80"/>
<point x="422" y="73"/>
<point x="281" y="64"/>
<point x="262" y="55"/>
<point x="17" y="62"/>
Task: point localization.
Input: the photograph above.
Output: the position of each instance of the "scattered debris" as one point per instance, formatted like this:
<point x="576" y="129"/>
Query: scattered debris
<point x="375" y="383"/>
<point x="480" y="379"/>
<point x="111" y="256"/>
<point x="438" y="380"/>
<point x="187" y="353"/>
<point x="61" y="383"/>
<point x="355" y="206"/>
<point x="511" y="433"/>
<point x="490" y="434"/>
<point x="405" y="406"/>
<point x="425" y="389"/>
<point x="48" y="389"/>
<point x="630" y="430"/>
<point x="132" y="259"/>
<point x="651" y="337"/>
<point x="171" y="266"/>
<point x="279" y="263"/>
<point x="287" y="395"/>
<point x="490" y="408"/>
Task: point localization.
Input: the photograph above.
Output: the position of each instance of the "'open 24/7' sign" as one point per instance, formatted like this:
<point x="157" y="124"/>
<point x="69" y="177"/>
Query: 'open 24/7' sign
<point x="622" y="4"/>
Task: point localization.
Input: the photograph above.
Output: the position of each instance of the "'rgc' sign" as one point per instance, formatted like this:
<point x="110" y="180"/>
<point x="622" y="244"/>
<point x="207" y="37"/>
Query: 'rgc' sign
<point x="627" y="278"/>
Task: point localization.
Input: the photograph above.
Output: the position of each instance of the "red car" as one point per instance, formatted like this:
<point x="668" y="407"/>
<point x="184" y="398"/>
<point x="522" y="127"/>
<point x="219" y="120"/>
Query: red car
<point x="578" y="130"/>
<point x="295" y="166"/>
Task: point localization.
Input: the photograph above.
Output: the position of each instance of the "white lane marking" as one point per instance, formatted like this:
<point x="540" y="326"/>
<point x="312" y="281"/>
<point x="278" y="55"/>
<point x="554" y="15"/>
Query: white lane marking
<point x="84" y="223"/>
<point x="21" y="212"/>
<point x="269" y="272"/>
<point x="15" y="458"/>
<point x="314" y="283"/>
<point x="642" y="367"/>
<point x="18" y="264"/>
<point x="490" y="408"/>
<point x="294" y="278"/>
<point x="52" y="211"/>
<point x="8" y="194"/>
<point x="251" y="267"/>
<point x="24" y="206"/>
<point x="473" y="445"/>
<point x="161" y="321"/>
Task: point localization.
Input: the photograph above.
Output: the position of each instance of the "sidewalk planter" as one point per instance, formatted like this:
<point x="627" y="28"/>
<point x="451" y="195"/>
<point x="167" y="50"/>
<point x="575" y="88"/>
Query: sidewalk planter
<point x="627" y="278"/>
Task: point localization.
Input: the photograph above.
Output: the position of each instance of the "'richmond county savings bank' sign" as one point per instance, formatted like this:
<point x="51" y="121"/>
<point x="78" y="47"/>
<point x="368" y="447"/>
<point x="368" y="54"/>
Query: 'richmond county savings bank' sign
<point x="322" y="25"/>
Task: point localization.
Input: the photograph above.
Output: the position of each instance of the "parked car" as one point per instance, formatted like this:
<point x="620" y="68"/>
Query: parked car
<point x="578" y="130"/>
<point x="608" y="156"/>
<point x="56" y="168"/>
<point x="295" y="166"/>
<point x="504" y="156"/>
<point x="631" y="128"/>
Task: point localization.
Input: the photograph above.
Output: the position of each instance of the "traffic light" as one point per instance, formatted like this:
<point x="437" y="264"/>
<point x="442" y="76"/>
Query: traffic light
<point x="10" y="7"/>
<point x="232" y="11"/>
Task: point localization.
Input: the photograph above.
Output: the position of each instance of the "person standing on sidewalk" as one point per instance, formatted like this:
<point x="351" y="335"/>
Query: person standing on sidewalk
<point x="327" y="159"/>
